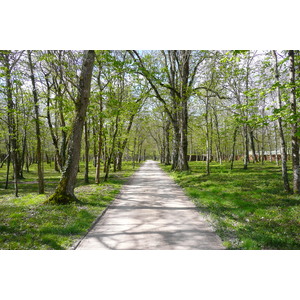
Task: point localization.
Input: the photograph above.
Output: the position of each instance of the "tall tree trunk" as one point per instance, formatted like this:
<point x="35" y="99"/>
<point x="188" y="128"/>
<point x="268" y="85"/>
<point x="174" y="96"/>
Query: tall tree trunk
<point x="8" y="164"/>
<point x="87" y="150"/>
<point x="94" y="146"/>
<point x="294" y="125"/>
<point x="58" y="160"/>
<point x="37" y="128"/>
<point x="183" y="149"/>
<point x="168" y="156"/>
<point x="24" y="147"/>
<point x="65" y="190"/>
<point x="262" y="145"/>
<point x="100" y="137"/>
<point x="183" y="113"/>
<point x="11" y="122"/>
<point x="252" y="145"/>
<point x="246" y="147"/>
<point x="176" y="142"/>
<point x="276" y="145"/>
<point x="281" y="133"/>
<point x="270" y="144"/>
<point x="208" y="145"/>
<point x="124" y="143"/>
<point x="112" y="150"/>
<point x="218" y="143"/>
<point x="233" y="147"/>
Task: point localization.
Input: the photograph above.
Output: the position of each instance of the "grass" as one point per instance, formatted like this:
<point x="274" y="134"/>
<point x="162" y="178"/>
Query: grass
<point x="27" y="223"/>
<point x="248" y="208"/>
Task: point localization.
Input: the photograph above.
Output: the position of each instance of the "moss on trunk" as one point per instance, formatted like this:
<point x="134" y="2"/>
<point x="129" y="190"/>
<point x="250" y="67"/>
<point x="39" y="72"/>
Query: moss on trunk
<point x="61" y="198"/>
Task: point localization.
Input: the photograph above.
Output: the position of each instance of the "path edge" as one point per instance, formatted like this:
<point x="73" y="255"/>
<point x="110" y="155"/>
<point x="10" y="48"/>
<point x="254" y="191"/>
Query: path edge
<point x="127" y="181"/>
<point x="205" y="214"/>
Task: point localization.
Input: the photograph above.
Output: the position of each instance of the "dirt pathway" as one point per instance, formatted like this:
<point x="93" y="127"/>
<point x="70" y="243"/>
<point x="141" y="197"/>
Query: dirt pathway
<point x="151" y="212"/>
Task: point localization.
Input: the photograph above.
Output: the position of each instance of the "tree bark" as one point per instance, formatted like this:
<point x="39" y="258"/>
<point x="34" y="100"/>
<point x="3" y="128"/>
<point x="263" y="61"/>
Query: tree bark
<point x="58" y="160"/>
<point x="233" y="147"/>
<point x="281" y="133"/>
<point x="37" y="127"/>
<point x="65" y="190"/>
<point x="8" y="165"/>
<point x="87" y="150"/>
<point x="167" y="153"/>
<point x="295" y="141"/>
<point x="208" y="145"/>
<point x="112" y="150"/>
<point x="218" y="143"/>
<point x="11" y="121"/>
<point x="246" y="147"/>
<point x="252" y="145"/>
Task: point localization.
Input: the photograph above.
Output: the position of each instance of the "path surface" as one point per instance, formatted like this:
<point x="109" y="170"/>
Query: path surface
<point x="151" y="212"/>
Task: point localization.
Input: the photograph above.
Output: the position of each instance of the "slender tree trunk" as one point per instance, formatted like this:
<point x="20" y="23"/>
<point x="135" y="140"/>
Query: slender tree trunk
<point x="11" y="123"/>
<point x="124" y="143"/>
<point x="294" y="125"/>
<point x="24" y="147"/>
<point x="183" y="150"/>
<point x="109" y="159"/>
<point x="87" y="150"/>
<point x="3" y="161"/>
<point x="262" y="145"/>
<point x="276" y="145"/>
<point x="270" y="144"/>
<point x="94" y="147"/>
<point x="58" y="160"/>
<point x="37" y="128"/>
<point x="133" y="153"/>
<point x="252" y="145"/>
<point x="233" y="147"/>
<point x="218" y="143"/>
<point x="8" y="165"/>
<point x="263" y="135"/>
<point x="99" y="153"/>
<point x="246" y="147"/>
<point x="281" y="133"/>
<point x="183" y="113"/>
<point x="207" y="137"/>
<point x="65" y="190"/>
<point x="176" y="142"/>
<point x="168" y="156"/>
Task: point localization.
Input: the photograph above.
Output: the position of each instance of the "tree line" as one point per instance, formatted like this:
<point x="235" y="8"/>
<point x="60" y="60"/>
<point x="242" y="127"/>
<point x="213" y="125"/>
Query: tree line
<point x="176" y="105"/>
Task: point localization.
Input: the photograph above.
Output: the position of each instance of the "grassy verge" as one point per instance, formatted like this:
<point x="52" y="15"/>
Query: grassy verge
<point x="26" y="223"/>
<point x="248" y="208"/>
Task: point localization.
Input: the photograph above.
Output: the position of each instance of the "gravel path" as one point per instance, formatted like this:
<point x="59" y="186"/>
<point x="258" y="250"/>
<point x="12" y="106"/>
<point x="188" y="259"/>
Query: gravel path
<point x="151" y="212"/>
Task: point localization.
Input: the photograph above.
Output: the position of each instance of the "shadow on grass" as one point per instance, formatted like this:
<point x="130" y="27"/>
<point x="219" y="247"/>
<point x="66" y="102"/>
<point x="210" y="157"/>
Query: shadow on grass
<point x="249" y="208"/>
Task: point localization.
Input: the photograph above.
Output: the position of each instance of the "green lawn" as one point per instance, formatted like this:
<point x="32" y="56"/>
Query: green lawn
<point x="248" y="208"/>
<point x="27" y="223"/>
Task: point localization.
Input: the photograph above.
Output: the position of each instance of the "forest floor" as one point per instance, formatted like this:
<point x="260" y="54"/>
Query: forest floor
<point x="248" y="208"/>
<point x="151" y="213"/>
<point x="27" y="223"/>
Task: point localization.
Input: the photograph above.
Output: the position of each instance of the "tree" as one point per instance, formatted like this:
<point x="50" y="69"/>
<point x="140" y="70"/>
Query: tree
<point x="294" y="124"/>
<point x="280" y="127"/>
<point x="173" y="79"/>
<point x="37" y="125"/>
<point x="9" y="60"/>
<point x="64" y="192"/>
